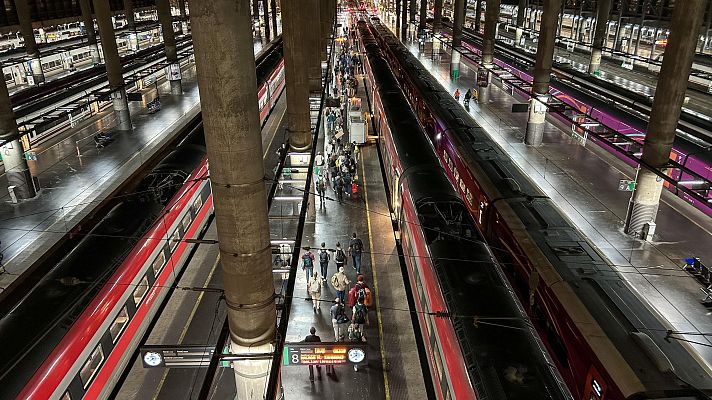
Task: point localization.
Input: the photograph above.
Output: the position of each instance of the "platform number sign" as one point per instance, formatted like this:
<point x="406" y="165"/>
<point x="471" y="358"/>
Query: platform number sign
<point x="323" y="354"/>
<point x="625" y="185"/>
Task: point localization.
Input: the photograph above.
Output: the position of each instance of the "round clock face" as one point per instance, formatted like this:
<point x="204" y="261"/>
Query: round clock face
<point x="152" y="358"/>
<point x="356" y="355"/>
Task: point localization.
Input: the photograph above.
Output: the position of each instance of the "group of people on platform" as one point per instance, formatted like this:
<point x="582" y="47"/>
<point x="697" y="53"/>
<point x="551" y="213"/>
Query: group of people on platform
<point x="356" y="298"/>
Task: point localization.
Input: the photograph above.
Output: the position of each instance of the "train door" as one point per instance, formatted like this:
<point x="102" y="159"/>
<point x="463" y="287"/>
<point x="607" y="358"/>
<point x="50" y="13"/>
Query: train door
<point x="595" y="388"/>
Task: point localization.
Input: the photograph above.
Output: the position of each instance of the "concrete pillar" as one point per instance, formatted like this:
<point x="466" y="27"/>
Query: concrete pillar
<point x="438" y="16"/>
<point x="622" y="5"/>
<point x="412" y="8"/>
<point x="295" y="17"/>
<point x="521" y="8"/>
<point x="88" y="20"/>
<point x="273" y="6"/>
<point x="224" y="59"/>
<point x="404" y="20"/>
<point x="542" y="70"/>
<point x="491" y="19"/>
<point x="183" y="17"/>
<point x="165" y="18"/>
<point x="603" y="8"/>
<point x="478" y="16"/>
<point x="398" y="15"/>
<point x="641" y="22"/>
<point x="312" y="44"/>
<point x="325" y="28"/>
<point x="35" y="64"/>
<point x="458" y="21"/>
<point x="16" y="169"/>
<point x="423" y="17"/>
<point x="256" y="10"/>
<point x="265" y="16"/>
<point x="665" y="112"/>
<point x="113" y="65"/>
<point x="131" y="25"/>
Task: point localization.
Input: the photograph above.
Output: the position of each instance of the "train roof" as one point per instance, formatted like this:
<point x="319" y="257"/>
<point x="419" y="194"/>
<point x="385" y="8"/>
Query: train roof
<point x="502" y="351"/>
<point x="605" y="293"/>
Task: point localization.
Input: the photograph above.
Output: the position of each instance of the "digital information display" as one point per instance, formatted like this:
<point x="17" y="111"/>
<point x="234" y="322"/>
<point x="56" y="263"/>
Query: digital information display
<point x="304" y="353"/>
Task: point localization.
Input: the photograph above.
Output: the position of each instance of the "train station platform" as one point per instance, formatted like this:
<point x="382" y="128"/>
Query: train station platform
<point x="583" y="180"/>
<point x="194" y="316"/>
<point x="75" y="176"/>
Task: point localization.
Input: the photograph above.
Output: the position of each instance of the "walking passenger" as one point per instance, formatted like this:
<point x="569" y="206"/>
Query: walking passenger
<point x="338" y="319"/>
<point x="340" y="282"/>
<point x="457" y="94"/>
<point x="356" y="249"/>
<point x="324" y="258"/>
<point x="340" y="256"/>
<point x="321" y="189"/>
<point x="314" y="287"/>
<point x="308" y="263"/>
<point x="360" y="317"/>
<point x="313" y="338"/>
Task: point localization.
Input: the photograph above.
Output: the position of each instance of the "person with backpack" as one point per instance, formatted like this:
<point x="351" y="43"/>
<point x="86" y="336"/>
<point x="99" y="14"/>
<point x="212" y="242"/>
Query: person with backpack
<point x="340" y="282"/>
<point x="308" y="263"/>
<point x="360" y="317"/>
<point x="338" y="319"/>
<point x="355" y="250"/>
<point x="339" y="256"/>
<point x="324" y="258"/>
<point x="360" y="291"/>
<point x="321" y="189"/>
<point x="339" y="187"/>
<point x="314" y="287"/>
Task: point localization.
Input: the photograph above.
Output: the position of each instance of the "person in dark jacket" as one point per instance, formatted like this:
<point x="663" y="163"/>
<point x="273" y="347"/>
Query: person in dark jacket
<point x="312" y="337"/>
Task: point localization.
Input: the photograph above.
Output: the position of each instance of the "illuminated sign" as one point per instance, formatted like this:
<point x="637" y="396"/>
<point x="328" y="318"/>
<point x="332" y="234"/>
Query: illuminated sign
<point x="324" y="353"/>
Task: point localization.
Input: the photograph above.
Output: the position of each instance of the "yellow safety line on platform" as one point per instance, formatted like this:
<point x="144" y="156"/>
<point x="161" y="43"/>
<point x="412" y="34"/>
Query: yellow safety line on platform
<point x="375" y="282"/>
<point x="187" y="324"/>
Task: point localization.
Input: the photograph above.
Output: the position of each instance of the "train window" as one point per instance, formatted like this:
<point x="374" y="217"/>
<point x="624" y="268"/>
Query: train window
<point x="140" y="291"/>
<point x="186" y="222"/>
<point x="462" y="186"/>
<point x="175" y="239"/>
<point x="91" y="366"/>
<point x="158" y="263"/>
<point x="119" y="324"/>
<point x="468" y="195"/>
<point x="197" y="204"/>
<point x="66" y="396"/>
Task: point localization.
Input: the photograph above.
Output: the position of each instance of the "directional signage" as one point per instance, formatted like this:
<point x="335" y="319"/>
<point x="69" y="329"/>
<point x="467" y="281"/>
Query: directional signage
<point x="304" y="353"/>
<point x="625" y="185"/>
<point x="176" y="356"/>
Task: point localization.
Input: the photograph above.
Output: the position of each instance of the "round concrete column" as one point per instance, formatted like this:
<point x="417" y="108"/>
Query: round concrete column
<point x="458" y="20"/>
<point x="121" y="110"/>
<point x="542" y="72"/>
<point x="603" y="9"/>
<point x="16" y="169"/>
<point x="25" y="19"/>
<point x="438" y="16"/>
<point x="665" y="113"/>
<point x="114" y="69"/>
<point x="88" y="21"/>
<point x="312" y="44"/>
<point x="222" y="37"/>
<point x="295" y="20"/>
<point x="131" y="25"/>
<point x="521" y="8"/>
<point x="169" y="42"/>
<point x="491" y="17"/>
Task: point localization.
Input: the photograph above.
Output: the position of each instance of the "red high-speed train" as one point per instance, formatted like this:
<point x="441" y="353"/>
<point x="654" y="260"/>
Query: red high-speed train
<point x="73" y="334"/>
<point x="607" y="342"/>
<point x="478" y="340"/>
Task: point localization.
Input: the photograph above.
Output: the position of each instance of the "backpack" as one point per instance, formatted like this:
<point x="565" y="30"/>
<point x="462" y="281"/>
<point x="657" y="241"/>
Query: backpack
<point x="340" y="256"/>
<point x="360" y="314"/>
<point x="307" y="261"/>
<point x="353" y="296"/>
<point x="334" y="281"/>
<point x="358" y="245"/>
<point x="323" y="256"/>
<point x="321" y="185"/>
<point x="361" y="293"/>
<point x="368" y="298"/>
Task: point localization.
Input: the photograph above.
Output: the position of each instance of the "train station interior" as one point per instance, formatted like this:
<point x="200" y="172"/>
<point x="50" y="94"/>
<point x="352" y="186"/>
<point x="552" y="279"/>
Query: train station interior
<point x="456" y="199"/>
